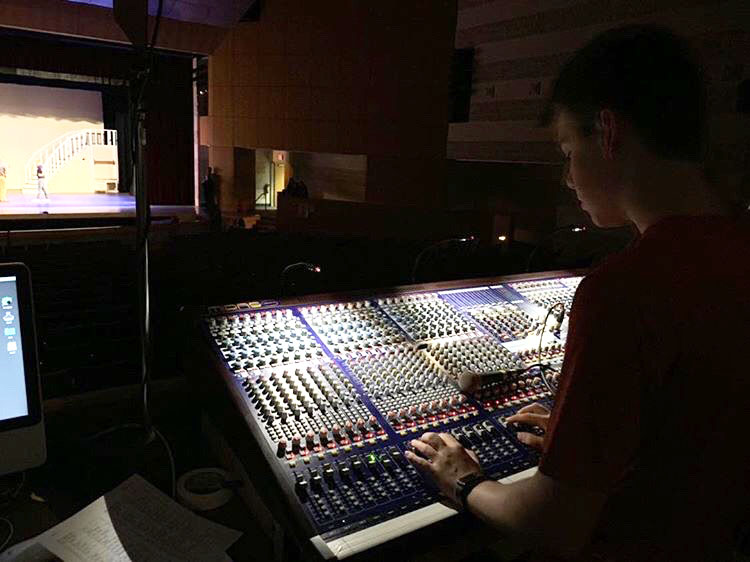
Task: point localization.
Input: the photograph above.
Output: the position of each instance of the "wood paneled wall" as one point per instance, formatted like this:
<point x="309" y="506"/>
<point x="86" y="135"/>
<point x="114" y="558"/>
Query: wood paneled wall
<point x="344" y="77"/>
<point x="340" y="177"/>
<point x="521" y="44"/>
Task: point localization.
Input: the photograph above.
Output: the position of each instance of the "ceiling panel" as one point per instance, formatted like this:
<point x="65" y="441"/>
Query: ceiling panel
<point x="223" y="13"/>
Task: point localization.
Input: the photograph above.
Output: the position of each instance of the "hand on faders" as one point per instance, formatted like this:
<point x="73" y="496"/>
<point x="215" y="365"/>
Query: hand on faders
<point x="444" y="460"/>
<point x="534" y="415"/>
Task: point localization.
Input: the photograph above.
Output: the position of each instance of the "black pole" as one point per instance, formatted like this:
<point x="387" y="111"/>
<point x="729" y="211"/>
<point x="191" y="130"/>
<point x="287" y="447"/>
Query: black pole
<point x="143" y="220"/>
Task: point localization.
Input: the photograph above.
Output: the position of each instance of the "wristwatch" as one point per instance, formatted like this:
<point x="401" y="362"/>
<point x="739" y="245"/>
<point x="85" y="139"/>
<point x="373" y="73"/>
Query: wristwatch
<point x="466" y="484"/>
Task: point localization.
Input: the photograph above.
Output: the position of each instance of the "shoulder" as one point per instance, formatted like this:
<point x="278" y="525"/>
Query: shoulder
<point x="610" y="293"/>
<point x="616" y="275"/>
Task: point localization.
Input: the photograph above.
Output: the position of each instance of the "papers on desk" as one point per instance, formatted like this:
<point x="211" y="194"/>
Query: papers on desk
<point x="134" y="522"/>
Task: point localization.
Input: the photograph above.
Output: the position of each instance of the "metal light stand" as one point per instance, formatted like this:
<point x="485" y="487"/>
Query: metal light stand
<point x="143" y="220"/>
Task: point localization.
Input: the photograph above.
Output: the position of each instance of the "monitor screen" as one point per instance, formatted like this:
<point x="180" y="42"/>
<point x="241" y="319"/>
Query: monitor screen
<point x="14" y="401"/>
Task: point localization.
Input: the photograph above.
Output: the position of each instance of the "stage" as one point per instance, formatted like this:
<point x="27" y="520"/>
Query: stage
<point x="84" y="209"/>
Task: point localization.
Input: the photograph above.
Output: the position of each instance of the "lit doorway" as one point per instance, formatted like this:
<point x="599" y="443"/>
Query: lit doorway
<point x="272" y="172"/>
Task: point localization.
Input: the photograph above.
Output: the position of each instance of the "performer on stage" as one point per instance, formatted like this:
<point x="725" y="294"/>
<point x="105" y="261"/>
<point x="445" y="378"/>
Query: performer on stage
<point x="3" y="178"/>
<point x="41" y="183"/>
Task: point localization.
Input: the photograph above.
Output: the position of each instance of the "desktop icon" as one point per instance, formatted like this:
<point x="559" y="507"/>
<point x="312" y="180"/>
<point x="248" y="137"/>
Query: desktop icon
<point x="10" y="331"/>
<point x="12" y="347"/>
<point x="8" y="317"/>
<point x="7" y="302"/>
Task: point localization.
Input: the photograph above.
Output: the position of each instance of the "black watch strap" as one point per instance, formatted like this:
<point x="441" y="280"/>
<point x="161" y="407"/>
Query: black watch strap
<point x="466" y="484"/>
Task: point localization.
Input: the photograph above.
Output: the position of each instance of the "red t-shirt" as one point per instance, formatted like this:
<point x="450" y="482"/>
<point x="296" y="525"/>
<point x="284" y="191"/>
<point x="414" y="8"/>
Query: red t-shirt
<point x="654" y="398"/>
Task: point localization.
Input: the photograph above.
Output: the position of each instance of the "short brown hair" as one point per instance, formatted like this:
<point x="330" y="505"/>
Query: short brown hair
<point x="648" y="74"/>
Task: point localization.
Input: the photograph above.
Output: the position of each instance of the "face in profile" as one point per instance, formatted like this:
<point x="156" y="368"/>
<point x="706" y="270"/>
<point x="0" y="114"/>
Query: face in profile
<point x="593" y="177"/>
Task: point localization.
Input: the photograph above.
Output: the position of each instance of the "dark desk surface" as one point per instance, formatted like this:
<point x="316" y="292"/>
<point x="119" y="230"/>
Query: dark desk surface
<point x="31" y="517"/>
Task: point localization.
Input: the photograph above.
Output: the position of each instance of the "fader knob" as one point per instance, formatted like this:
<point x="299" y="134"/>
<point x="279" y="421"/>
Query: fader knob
<point x="339" y="435"/>
<point x="317" y="483"/>
<point x="301" y="487"/>
<point x="459" y="436"/>
<point x="349" y="428"/>
<point x="281" y="448"/>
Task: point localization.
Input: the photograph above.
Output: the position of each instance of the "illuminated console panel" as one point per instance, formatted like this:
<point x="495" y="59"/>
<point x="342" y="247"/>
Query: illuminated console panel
<point x="335" y="389"/>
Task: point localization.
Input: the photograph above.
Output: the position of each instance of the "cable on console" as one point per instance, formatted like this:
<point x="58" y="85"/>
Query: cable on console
<point x="560" y="316"/>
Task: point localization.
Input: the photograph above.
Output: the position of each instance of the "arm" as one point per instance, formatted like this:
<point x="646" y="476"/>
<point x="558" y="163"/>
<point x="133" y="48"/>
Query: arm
<point x="538" y="511"/>
<point x="593" y="432"/>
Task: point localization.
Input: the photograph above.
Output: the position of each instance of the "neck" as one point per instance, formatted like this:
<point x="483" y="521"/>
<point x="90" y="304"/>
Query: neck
<point x="663" y="189"/>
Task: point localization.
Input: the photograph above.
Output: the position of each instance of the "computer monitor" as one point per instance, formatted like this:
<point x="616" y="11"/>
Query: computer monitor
<point x="22" y="440"/>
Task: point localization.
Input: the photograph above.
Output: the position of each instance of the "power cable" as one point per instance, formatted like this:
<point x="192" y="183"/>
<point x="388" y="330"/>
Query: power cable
<point x="11" y="530"/>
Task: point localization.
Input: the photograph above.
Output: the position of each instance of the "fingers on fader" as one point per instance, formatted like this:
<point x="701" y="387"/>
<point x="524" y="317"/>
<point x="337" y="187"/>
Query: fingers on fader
<point x="535" y="408"/>
<point x="424" y="448"/>
<point x="449" y="440"/>
<point x="531" y="419"/>
<point x="531" y="440"/>
<point x="418" y="461"/>
<point x="432" y="439"/>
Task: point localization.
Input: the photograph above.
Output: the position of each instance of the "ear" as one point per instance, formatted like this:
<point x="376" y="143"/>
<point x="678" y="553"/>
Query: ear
<point x="610" y="128"/>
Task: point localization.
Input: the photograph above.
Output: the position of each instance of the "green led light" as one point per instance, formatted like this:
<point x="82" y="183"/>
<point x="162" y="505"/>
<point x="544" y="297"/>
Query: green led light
<point x="372" y="458"/>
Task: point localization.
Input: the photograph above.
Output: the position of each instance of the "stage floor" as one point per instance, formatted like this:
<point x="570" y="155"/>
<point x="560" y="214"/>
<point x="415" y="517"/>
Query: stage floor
<point x="85" y="205"/>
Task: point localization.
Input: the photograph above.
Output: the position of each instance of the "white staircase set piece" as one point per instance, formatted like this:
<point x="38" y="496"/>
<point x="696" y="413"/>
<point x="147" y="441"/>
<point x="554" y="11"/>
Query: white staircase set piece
<point x="54" y="156"/>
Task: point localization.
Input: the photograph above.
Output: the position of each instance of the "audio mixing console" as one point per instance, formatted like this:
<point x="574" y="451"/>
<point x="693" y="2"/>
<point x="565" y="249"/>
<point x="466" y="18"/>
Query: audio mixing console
<point x="334" y="390"/>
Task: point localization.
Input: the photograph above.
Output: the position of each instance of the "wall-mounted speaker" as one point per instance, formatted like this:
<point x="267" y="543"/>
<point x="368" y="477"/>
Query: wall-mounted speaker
<point x="462" y="73"/>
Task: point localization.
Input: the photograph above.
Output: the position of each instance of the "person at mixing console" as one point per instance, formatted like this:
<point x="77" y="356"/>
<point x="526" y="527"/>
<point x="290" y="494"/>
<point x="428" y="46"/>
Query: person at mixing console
<point x="644" y="457"/>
